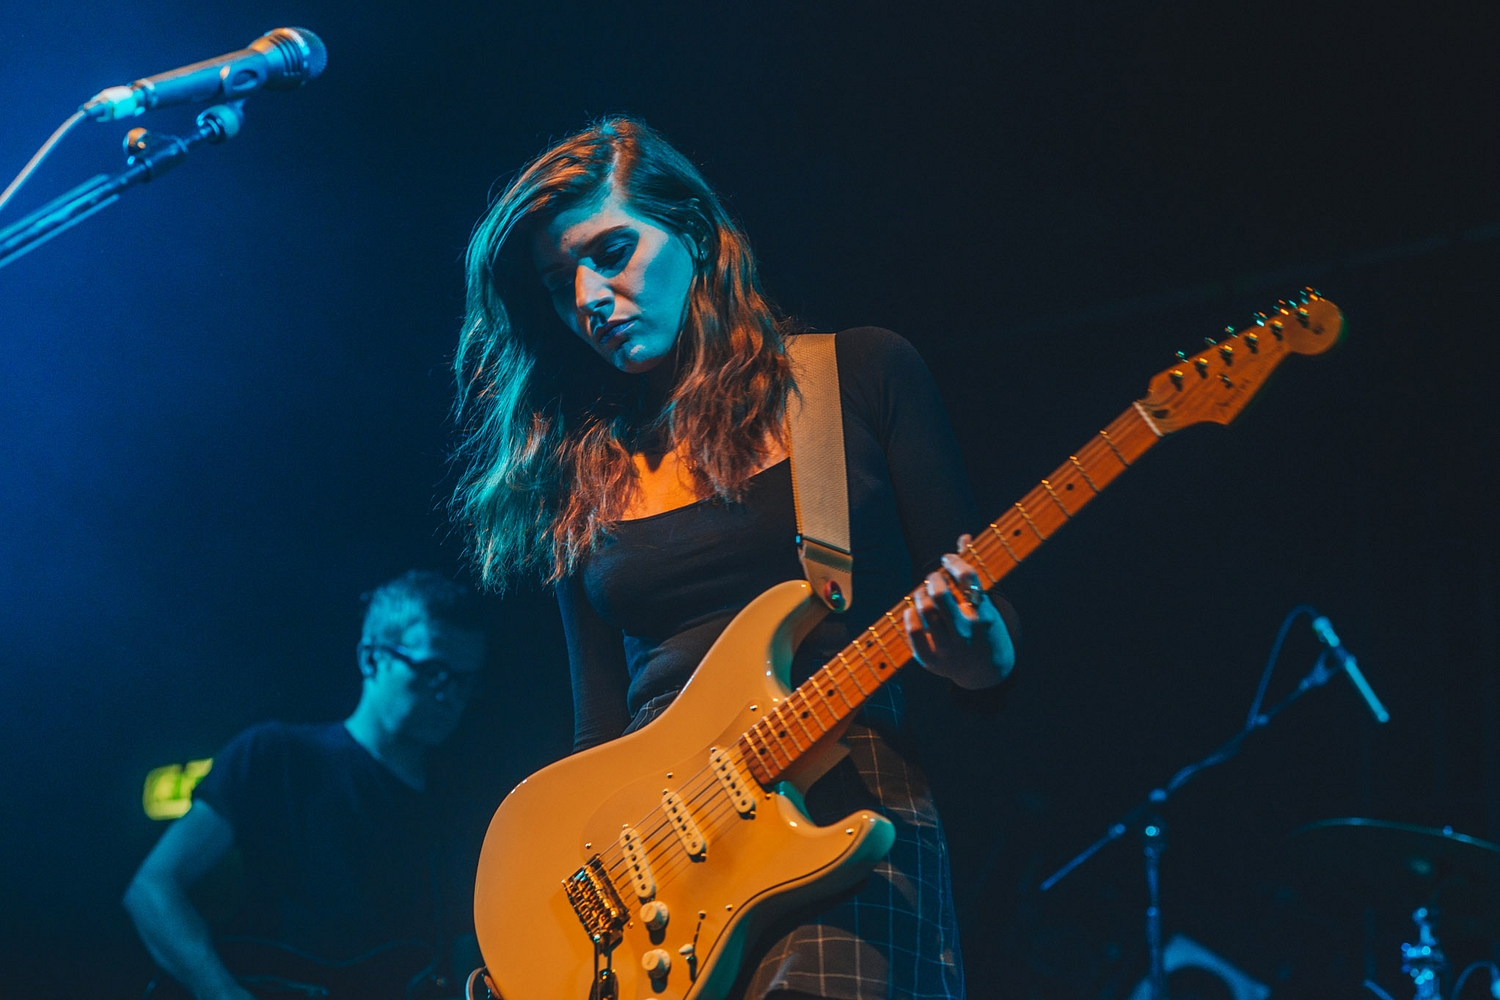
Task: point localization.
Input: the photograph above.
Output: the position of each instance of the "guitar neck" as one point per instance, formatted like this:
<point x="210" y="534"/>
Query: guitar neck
<point x="819" y="707"/>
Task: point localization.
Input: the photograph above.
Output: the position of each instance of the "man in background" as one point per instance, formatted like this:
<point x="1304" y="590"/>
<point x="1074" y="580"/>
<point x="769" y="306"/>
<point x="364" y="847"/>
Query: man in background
<point x="342" y="855"/>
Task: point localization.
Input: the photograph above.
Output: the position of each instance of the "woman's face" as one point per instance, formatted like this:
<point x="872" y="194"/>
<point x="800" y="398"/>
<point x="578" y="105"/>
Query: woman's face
<point x="617" y="280"/>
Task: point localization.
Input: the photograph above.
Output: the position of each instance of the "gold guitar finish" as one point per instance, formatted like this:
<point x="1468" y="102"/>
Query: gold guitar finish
<point x="752" y="868"/>
<point x="558" y="904"/>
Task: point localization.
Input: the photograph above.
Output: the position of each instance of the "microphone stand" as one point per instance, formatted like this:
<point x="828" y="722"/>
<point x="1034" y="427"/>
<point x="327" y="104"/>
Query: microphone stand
<point x="1146" y="817"/>
<point x="148" y="156"/>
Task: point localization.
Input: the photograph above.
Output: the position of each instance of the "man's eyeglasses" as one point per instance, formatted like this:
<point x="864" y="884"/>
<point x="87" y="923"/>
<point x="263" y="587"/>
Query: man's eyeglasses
<point x="436" y="671"/>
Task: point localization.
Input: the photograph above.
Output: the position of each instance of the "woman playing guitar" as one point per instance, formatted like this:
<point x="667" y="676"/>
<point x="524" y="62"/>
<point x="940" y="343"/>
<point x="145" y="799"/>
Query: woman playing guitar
<point x="623" y="394"/>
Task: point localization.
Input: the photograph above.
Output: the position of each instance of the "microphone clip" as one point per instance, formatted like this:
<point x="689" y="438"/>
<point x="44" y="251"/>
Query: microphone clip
<point x="114" y="103"/>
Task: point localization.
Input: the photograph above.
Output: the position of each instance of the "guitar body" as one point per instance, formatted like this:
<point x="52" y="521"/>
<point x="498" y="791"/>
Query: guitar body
<point x="751" y="869"/>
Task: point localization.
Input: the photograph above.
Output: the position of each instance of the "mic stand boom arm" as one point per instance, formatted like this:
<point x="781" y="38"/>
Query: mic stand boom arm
<point x="149" y="155"/>
<point x="1145" y="815"/>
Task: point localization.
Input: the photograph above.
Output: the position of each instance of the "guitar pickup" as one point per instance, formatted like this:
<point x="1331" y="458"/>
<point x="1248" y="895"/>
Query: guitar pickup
<point x="730" y="776"/>
<point x="640" y="867"/>
<point x="683" y="823"/>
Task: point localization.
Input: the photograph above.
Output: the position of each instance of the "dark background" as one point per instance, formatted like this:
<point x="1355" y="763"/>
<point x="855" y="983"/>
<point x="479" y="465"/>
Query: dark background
<point x="222" y="416"/>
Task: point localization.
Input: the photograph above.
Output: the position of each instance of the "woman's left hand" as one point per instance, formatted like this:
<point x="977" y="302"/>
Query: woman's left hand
<point x="965" y="640"/>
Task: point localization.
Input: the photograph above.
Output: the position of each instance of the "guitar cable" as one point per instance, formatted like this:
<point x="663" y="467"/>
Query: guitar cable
<point x="1275" y="654"/>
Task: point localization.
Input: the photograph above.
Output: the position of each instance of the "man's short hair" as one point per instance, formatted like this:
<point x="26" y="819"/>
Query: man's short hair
<point x="398" y="604"/>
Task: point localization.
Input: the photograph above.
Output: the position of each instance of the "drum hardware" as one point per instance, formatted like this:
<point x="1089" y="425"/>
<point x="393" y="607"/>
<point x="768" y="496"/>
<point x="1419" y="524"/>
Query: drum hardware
<point x="1455" y="876"/>
<point x="1423" y="961"/>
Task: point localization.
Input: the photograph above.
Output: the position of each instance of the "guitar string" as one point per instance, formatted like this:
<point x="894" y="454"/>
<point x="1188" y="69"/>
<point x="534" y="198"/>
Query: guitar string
<point x="665" y="863"/>
<point x="614" y="856"/>
<point x="658" y="836"/>
<point x="715" y="821"/>
<point x="667" y="868"/>
<point x="653" y="843"/>
<point x="664" y="834"/>
<point x="676" y="868"/>
<point x="775" y="743"/>
<point x="672" y="869"/>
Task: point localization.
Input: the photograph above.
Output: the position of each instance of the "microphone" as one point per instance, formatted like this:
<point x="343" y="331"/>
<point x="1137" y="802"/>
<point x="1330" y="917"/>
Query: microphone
<point x="281" y="59"/>
<point x="1345" y="659"/>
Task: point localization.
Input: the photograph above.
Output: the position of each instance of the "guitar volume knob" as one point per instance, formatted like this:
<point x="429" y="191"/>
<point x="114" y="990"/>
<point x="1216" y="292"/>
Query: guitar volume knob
<point x="655" y="915"/>
<point x="656" y="962"/>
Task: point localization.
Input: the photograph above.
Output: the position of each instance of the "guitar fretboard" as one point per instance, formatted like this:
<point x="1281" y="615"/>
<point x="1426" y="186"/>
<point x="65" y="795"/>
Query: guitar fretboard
<point x="819" y="706"/>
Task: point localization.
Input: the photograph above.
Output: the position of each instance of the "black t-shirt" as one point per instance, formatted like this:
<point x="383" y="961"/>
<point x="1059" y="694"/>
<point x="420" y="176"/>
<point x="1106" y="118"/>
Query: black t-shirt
<point x="339" y="855"/>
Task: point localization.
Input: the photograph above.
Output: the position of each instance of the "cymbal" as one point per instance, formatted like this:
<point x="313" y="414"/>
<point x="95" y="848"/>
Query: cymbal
<point x="1407" y="866"/>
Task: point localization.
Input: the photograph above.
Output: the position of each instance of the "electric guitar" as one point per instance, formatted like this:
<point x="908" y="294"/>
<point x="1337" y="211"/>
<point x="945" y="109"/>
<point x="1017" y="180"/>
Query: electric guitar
<point x="645" y="867"/>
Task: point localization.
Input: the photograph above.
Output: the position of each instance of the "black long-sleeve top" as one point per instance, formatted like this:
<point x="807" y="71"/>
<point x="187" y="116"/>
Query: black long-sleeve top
<point x="641" y="612"/>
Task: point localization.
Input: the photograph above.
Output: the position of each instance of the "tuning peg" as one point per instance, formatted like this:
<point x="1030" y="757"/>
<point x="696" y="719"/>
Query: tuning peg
<point x="1254" y="342"/>
<point x="1229" y="332"/>
<point x="1209" y="341"/>
<point x="1182" y="355"/>
<point x="1260" y="319"/>
<point x="1202" y="365"/>
<point x="1310" y="293"/>
<point x="1276" y="328"/>
<point x="1226" y="352"/>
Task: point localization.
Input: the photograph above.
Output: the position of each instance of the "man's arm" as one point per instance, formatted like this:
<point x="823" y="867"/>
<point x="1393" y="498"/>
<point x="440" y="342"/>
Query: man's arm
<point x="173" y="930"/>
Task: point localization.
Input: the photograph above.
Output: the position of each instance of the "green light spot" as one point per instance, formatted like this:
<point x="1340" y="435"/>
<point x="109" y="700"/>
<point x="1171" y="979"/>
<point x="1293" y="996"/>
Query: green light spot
<point x="169" y="790"/>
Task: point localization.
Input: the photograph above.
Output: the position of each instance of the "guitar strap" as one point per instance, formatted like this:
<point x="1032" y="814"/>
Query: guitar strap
<point x="820" y="487"/>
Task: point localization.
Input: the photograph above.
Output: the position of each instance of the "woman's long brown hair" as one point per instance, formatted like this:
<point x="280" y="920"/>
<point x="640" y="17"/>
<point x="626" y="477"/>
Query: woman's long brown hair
<point x="546" y="428"/>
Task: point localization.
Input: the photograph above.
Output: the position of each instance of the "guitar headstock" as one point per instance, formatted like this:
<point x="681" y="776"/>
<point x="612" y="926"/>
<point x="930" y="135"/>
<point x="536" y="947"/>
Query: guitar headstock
<point x="1216" y="383"/>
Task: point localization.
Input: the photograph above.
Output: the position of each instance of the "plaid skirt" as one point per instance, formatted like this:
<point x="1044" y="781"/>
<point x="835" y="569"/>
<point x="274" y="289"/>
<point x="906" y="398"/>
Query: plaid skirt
<point x="894" y="936"/>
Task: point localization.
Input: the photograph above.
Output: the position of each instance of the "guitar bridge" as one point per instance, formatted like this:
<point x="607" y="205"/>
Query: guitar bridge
<point x="599" y="907"/>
